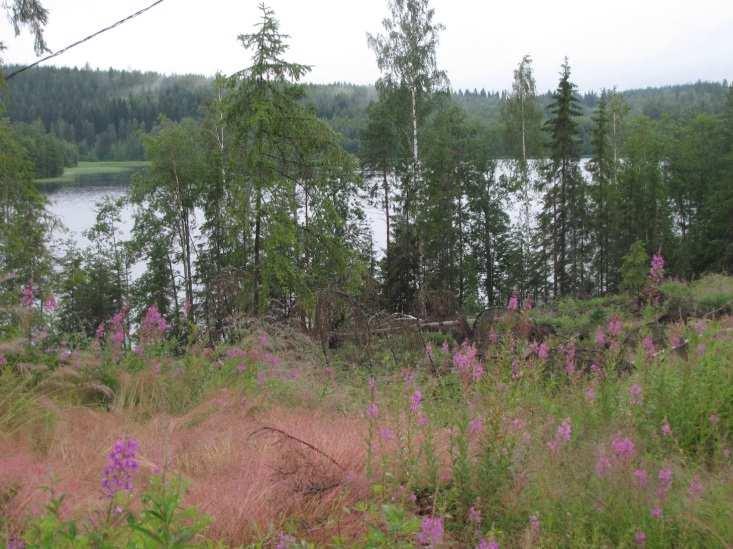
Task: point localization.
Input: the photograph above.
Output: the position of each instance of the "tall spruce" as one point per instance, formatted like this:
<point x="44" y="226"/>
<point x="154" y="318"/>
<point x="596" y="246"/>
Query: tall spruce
<point x="602" y="167"/>
<point x="565" y="209"/>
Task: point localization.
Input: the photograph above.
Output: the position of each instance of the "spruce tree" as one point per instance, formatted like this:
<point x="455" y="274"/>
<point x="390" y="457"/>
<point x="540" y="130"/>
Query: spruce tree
<point x="565" y="208"/>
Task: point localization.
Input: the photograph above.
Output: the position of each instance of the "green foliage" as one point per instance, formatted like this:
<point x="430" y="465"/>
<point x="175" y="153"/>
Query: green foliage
<point x="24" y="228"/>
<point x="634" y="268"/>
<point x="164" y="521"/>
<point x="49" y="154"/>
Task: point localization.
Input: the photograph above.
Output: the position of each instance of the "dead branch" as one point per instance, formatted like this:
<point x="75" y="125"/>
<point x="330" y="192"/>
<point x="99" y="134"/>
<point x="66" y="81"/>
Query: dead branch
<point x="267" y="429"/>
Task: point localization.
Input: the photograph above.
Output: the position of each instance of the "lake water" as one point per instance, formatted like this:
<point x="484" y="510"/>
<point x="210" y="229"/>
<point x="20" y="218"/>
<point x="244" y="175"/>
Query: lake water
<point x="75" y="208"/>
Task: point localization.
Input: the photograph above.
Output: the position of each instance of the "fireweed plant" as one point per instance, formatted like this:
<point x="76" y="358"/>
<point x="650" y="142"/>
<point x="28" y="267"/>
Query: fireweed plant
<point x="589" y="425"/>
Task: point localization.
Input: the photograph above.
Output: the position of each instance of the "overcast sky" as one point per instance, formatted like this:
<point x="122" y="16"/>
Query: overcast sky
<point x="624" y="43"/>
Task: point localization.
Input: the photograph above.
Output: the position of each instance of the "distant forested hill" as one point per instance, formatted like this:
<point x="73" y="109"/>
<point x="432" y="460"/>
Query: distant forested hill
<point x="103" y="112"/>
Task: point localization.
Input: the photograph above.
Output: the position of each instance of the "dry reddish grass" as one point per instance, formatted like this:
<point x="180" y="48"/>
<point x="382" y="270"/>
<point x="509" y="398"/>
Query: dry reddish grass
<point x="247" y="484"/>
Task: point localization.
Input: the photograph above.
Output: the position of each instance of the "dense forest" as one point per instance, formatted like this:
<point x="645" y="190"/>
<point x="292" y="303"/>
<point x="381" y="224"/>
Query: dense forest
<point x="105" y="112"/>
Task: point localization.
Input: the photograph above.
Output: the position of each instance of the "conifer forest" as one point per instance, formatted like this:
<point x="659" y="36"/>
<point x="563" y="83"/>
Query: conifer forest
<point x="404" y="314"/>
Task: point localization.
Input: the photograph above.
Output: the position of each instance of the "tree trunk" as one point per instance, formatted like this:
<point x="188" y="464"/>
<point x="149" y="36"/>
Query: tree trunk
<point x="257" y="271"/>
<point x="385" y="186"/>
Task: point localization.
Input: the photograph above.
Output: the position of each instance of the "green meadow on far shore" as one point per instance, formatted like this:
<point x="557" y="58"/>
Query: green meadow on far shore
<point x="111" y="172"/>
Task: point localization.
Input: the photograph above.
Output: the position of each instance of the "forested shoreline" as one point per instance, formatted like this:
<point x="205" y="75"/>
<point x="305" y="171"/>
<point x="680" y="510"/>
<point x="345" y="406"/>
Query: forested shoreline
<point x="103" y="111"/>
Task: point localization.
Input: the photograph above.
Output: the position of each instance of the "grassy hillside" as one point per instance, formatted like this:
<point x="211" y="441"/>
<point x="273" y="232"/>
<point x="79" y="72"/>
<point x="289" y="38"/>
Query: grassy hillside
<point x="585" y="424"/>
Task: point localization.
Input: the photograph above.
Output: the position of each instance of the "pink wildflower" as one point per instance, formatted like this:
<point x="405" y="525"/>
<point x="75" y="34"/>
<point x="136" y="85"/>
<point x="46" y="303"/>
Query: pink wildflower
<point x="121" y="465"/>
<point x="656" y="272"/>
<point x="666" y="428"/>
<point x="648" y="344"/>
<point x="623" y="447"/>
<point x="285" y="541"/>
<point x="513" y="304"/>
<point x="636" y="394"/>
<point x="615" y="326"/>
<point x="713" y="419"/>
<point x="656" y="512"/>
<point x="600" y="337"/>
<point x="562" y="435"/>
<point x="263" y="339"/>
<point x="3" y="360"/>
<point x="528" y="304"/>
<point x="474" y="515"/>
<point x="665" y="482"/>
<point x="564" y="430"/>
<point x="641" y="477"/>
<point x="154" y="325"/>
<point x="386" y="434"/>
<point x="534" y="524"/>
<point x="431" y="531"/>
<point x="695" y="489"/>
<point x="422" y="420"/>
<point x="15" y="543"/>
<point x="475" y="426"/>
<point x="465" y="362"/>
<point x="603" y="464"/>
<point x="640" y="538"/>
<point x="590" y="394"/>
<point x="416" y="401"/>
<point x="543" y="351"/>
<point x="117" y="326"/>
<point x="665" y="476"/>
<point x="487" y="544"/>
<point x="373" y="410"/>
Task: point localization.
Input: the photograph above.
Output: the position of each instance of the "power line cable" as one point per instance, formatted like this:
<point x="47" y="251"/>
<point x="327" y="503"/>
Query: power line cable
<point x="67" y="48"/>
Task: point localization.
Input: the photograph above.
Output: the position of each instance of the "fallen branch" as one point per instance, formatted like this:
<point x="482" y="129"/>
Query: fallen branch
<point x="286" y="435"/>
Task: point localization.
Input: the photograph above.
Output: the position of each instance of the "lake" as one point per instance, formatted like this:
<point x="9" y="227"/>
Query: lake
<point x="75" y="207"/>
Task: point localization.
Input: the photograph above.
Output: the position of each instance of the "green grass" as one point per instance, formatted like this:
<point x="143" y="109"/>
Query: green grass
<point x="88" y="172"/>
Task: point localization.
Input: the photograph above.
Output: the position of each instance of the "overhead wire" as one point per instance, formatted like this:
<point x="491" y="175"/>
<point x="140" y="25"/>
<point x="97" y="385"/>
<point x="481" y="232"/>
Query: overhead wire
<point x="86" y="39"/>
